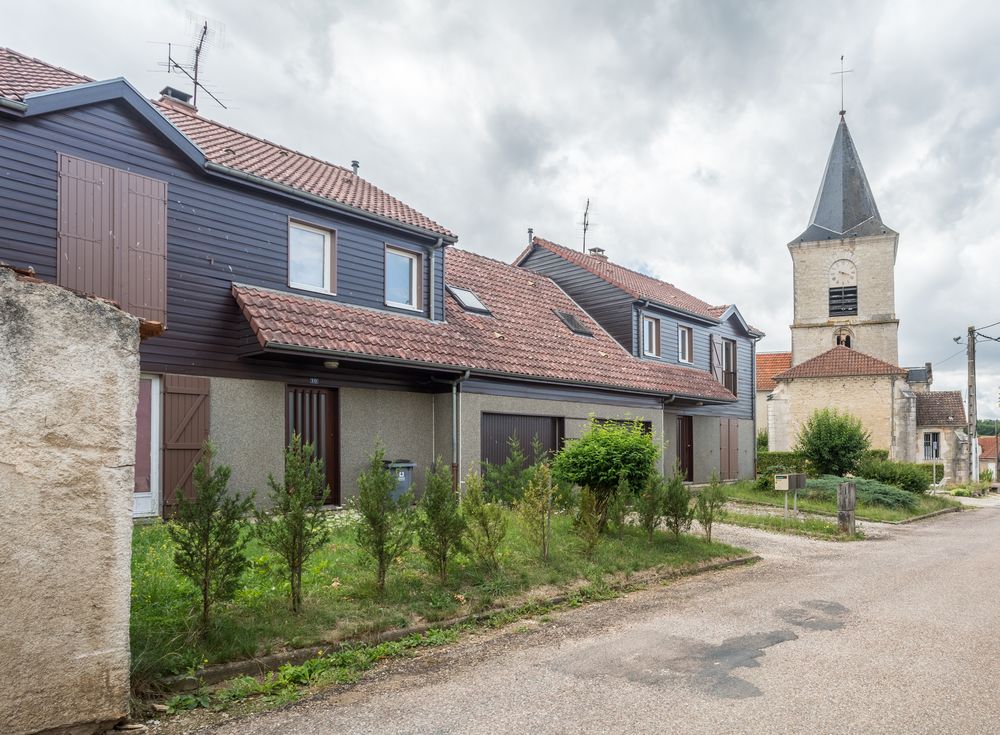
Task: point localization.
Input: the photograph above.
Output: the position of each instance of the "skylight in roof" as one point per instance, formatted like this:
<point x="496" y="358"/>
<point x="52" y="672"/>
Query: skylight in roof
<point x="574" y="323"/>
<point x="468" y="300"/>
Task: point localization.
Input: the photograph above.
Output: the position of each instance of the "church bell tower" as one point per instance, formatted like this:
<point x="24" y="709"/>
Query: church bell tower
<point x="844" y="266"/>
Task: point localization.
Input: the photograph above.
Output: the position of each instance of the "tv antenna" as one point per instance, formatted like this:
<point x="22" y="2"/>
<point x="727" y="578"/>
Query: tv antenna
<point x="207" y="34"/>
<point x="586" y="223"/>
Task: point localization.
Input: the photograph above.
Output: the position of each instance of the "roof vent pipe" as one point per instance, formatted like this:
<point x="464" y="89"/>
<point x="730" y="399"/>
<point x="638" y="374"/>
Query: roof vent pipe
<point x="355" y="165"/>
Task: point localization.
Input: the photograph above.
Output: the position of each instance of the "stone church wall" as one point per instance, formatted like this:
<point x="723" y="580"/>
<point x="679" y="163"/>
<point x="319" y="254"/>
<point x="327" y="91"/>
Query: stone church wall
<point x="870" y="398"/>
<point x="69" y="377"/>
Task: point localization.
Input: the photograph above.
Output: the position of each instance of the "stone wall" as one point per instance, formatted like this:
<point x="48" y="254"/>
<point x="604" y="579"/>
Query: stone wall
<point x="875" y="326"/>
<point x="69" y="372"/>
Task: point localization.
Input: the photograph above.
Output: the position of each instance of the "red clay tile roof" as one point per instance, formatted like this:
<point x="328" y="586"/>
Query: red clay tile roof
<point x="770" y="364"/>
<point x="637" y="285"/>
<point x="988" y="447"/>
<point x="21" y="75"/>
<point x="940" y="408"/>
<point x="840" y="362"/>
<point x="522" y="337"/>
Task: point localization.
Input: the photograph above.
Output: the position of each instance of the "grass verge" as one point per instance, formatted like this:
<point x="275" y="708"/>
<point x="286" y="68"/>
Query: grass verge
<point x="340" y="601"/>
<point x="746" y="492"/>
<point x="813" y="527"/>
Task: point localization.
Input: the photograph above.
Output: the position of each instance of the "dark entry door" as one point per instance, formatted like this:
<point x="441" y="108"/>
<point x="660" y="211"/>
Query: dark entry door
<point x="685" y="447"/>
<point x="312" y="413"/>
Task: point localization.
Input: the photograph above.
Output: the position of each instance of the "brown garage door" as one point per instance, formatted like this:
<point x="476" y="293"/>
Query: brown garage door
<point x="497" y="428"/>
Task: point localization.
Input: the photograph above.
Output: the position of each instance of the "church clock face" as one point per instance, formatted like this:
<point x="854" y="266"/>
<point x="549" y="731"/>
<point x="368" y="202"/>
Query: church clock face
<point x="843" y="273"/>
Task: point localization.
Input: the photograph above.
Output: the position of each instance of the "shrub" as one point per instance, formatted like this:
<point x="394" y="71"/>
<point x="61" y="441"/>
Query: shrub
<point x="649" y="505"/>
<point x="505" y="482"/>
<point x="875" y="455"/>
<point x="386" y="526"/>
<point x="762" y="440"/>
<point x="906" y="476"/>
<point x="441" y="526"/>
<point x="295" y="527"/>
<point x="833" y="442"/>
<point x="207" y="532"/>
<point x="772" y="463"/>
<point x="709" y="506"/>
<point x="619" y="506"/>
<point x="603" y="456"/>
<point x="677" y="510"/>
<point x="986" y="475"/>
<point x="869" y="492"/>
<point x="486" y="523"/>
<point x="535" y="509"/>
<point x="587" y="521"/>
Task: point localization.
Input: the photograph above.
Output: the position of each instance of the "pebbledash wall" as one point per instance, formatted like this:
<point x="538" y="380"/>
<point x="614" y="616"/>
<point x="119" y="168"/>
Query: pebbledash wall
<point x="69" y="376"/>
<point x="875" y="327"/>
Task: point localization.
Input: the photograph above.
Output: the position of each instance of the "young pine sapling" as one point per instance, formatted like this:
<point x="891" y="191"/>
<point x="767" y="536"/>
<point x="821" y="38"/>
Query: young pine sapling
<point x="709" y="507"/>
<point x="486" y="523"/>
<point x="587" y="522"/>
<point x="441" y="526"/>
<point x="536" y="508"/>
<point x="649" y="505"/>
<point x="677" y="510"/>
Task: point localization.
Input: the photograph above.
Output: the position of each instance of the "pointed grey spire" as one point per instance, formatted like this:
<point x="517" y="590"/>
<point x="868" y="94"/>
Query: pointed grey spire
<point x="845" y="206"/>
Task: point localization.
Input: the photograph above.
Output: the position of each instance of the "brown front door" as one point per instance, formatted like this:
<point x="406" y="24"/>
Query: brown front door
<point x="729" y="448"/>
<point x="685" y="447"/>
<point x="313" y="414"/>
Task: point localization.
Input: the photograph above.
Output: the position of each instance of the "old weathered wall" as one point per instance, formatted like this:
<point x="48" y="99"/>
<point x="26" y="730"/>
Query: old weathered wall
<point x="69" y="372"/>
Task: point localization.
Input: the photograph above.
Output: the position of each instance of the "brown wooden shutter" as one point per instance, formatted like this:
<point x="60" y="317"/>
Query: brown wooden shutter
<point x="86" y="248"/>
<point x="185" y="430"/>
<point x="141" y="245"/>
<point x="716" y="364"/>
<point x="734" y="449"/>
<point x="723" y="449"/>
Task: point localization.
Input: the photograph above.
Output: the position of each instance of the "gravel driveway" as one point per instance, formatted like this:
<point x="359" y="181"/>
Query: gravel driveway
<point x="895" y="635"/>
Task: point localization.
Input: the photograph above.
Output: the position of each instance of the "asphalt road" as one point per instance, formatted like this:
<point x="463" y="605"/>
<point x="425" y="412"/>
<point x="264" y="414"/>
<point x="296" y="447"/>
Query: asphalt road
<point x="895" y="635"/>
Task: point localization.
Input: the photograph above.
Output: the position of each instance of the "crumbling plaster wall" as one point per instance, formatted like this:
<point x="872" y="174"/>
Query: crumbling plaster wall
<point x="69" y="371"/>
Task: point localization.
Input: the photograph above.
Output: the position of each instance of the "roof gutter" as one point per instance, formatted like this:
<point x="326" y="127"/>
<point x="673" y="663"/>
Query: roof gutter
<point x="13" y="105"/>
<point x="322" y="201"/>
<point x="402" y="362"/>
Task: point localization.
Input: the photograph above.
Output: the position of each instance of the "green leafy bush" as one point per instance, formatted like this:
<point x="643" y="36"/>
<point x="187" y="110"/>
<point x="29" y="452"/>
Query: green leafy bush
<point x="904" y="475"/>
<point x="295" y="528"/>
<point x="440" y="526"/>
<point x="869" y="492"/>
<point x="208" y="534"/>
<point x="986" y="474"/>
<point x="386" y="526"/>
<point x="833" y="442"/>
<point x="505" y="483"/>
<point x="604" y="455"/>
<point x="762" y="440"/>
<point x="677" y="510"/>
<point x="486" y="523"/>
<point x="536" y="507"/>
<point x="587" y="521"/>
<point x="709" y="506"/>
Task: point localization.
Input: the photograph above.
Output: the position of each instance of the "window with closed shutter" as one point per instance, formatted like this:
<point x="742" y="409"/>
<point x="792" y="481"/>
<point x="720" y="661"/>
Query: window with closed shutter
<point x="112" y="243"/>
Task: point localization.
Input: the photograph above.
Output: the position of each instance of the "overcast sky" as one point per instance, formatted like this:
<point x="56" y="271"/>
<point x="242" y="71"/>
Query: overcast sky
<point x="699" y="130"/>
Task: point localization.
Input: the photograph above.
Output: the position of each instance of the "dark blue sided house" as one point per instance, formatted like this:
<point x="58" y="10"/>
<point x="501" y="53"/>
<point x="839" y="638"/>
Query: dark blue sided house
<point x="658" y="322"/>
<point x="283" y="294"/>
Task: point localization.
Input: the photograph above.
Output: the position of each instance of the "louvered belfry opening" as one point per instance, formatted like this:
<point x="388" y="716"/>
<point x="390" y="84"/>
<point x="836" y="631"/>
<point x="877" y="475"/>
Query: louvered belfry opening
<point x="844" y="301"/>
<point x="312" y="413"/>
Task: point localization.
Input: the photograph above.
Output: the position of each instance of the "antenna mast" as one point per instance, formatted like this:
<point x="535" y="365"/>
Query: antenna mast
<point x="205" y="34"/>
<point x="586" y="224"/>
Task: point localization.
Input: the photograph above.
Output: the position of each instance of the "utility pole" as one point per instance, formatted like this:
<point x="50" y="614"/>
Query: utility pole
<point x="973" y="440"/>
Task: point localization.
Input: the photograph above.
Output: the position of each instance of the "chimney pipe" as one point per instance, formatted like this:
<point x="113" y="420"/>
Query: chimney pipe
<point x="598" y="253"/>
<point x="355" y="165"/>
<point x="531" y="236"/>
<point x="177" y="99"/>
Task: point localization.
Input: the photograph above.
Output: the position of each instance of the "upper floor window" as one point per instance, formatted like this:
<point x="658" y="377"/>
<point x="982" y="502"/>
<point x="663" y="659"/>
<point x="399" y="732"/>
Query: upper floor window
<point x="650" y="336"/>
<point x="311" y="258"/>
<point x="932" y="445"/>
<point x="684" y="341"/>
<point x="729" y="365"/>
<point x="402" y="278"/>
<point x="844" y="301"/>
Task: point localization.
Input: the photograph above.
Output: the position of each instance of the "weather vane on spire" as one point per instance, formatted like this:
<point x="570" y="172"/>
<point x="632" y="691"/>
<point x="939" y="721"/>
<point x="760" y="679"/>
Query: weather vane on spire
<point x="842" y="72"/>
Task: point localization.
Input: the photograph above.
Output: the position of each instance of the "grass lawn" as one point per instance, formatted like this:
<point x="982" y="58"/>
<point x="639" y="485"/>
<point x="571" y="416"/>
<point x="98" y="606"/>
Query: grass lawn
<point x="815" y="527"/>
<point x="746" y="491"/>
<point x="339" y="595"/>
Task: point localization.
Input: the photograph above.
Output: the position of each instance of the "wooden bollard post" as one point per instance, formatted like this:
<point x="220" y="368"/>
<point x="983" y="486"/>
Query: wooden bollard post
<point x="846" y="497"/>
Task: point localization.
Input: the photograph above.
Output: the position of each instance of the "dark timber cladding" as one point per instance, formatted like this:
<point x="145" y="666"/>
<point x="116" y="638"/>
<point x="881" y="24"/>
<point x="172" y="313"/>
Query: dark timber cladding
<point x="312" y="414"/>
<point x="112" y="242"/>
<point x="496" y="430"/>
<point x="185" y="429"/>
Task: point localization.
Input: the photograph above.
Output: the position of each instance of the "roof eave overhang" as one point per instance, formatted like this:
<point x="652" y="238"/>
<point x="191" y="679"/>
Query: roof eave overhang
<point x="460" y="369"/>
<point x="646" y="302"/>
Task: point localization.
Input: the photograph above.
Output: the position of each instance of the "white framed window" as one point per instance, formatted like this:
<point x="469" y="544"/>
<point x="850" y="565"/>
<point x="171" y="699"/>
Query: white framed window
<point x="402" y="278"/>
<point x="650" y="336"/>
<point x="684" y="342"/>
<point x="311" y="258"/>
<point x="146" y="493"/>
